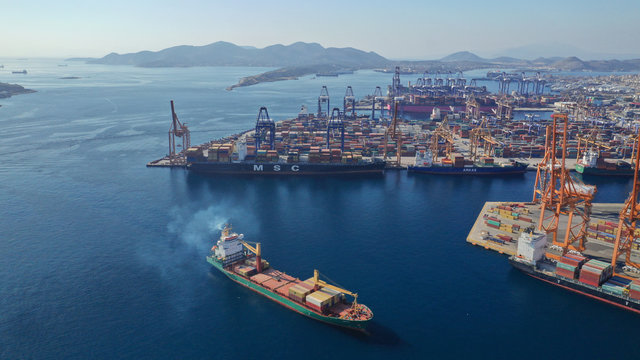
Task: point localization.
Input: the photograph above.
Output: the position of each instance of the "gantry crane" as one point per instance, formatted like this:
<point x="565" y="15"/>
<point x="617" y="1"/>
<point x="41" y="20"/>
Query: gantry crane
<point x="265" y="129"/>
<point x="591" y="139"/>
<point x="482" y="133"/>
<point x="395" y="134"/>
<point x="557" y="191"/>
<point x="335" y="124"/>
<point x="629" y="216"/>
<point x="180" y="130"/>
<point x="441" y="132"/>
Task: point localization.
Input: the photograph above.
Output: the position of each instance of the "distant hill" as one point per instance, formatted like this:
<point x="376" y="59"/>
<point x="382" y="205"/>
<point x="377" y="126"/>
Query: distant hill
<point x="463" y="56"/>
<point x="506" y="60"/>
<point x="571" y="63"/>
<point x="300" y="59"/>
<point x="227" y="54"/>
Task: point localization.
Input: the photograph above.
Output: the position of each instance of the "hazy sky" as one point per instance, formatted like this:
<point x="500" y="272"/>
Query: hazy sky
<point x="393" y="28"/>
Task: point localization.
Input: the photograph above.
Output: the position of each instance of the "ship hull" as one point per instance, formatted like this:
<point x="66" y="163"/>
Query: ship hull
<point x="623" y="302"/>
<point x="585" y="170"/>
<point x="292" y="305"/>
<point x="410" y="108"/>
<point x="274" y="169"/>
<point x="474" y="171"/>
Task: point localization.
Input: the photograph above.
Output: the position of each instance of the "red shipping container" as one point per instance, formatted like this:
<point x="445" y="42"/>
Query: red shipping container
<point x="314" y="307"/>
<point x="569" y="261"/>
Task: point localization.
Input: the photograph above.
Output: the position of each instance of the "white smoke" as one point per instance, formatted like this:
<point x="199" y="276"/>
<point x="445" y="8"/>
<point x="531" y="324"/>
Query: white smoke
<point x="199" y="230"/>
<point x="180" y="256"/>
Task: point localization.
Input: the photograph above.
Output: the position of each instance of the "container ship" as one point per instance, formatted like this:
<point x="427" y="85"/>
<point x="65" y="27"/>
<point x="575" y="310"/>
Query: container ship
<point x="589" y="277"/>
<point x="222" y="159"/>
<point x="459" y="166"/>
<point x="288" y="149"/>
<point x="593" y="164"/>
<point x="242" y="262"/>
<point x="427" y="104"/>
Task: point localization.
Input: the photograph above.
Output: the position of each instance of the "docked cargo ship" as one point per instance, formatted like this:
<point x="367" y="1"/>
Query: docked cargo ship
<point x="242" y="262"/>
<point x="593" y="164"/>
<point x="427" y="104"/>
<point x="459" y="166"/>
<point x="589" y="277"/>
<point x="233" y="159"/>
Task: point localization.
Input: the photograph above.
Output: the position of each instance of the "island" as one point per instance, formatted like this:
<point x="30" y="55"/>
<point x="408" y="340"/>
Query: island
<point x="8" y="90"/>
<point x="291" y="73"/>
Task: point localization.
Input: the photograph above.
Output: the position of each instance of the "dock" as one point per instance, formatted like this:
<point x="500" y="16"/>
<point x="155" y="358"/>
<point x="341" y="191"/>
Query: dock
<point x="167" y="162"/>
<point x="503" y="238"/>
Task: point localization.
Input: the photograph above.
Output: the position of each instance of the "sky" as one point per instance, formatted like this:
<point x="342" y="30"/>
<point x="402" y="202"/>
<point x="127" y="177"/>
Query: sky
<point x="396" y="29"/>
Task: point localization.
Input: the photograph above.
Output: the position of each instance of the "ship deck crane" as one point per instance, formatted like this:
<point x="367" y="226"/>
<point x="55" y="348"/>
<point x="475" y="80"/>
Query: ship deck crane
<point x="180" y="130"/>
<point x="318" y="282"/>
<point x="629" y="216"/>
<point x="557" y="191"/>
<point x="257" y="249"/>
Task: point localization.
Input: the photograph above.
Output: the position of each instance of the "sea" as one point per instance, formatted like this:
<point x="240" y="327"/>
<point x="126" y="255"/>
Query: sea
<point x="104" y="258"/>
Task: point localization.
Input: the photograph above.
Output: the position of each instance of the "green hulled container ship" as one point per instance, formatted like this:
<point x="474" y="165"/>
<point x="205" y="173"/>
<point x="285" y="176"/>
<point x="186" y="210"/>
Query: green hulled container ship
<point x="241" y="262"/>
<point x="592" y="164"/>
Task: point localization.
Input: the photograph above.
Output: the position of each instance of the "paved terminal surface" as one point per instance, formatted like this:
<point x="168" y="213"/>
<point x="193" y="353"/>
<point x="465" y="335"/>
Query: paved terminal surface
<point x="504" y="237"/>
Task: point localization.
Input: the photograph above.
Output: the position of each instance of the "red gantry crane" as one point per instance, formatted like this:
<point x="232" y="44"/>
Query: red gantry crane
<point x="177" y="130"/>
<point x="560" y="195"/>
<point x="629" y="216"/>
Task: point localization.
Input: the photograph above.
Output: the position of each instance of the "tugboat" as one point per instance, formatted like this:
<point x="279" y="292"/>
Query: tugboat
<point x="242" y="262"/>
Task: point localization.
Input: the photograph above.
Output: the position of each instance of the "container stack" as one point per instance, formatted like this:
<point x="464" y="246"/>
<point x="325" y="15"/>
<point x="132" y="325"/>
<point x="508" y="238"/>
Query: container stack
<point x="336" y="296"/>
<point x="272" y="155"/>
<point x="213" y="152"/>
<point x="634" y="289"/>
<point x="252" y="262"/>
<point x="293" y="156"/>
<point x="595" y="272"/>
<point x="319" y="300"/>
<point x="458" y="160"/>
<point x="299" y="291"/>
<point x="486" y="161"/>
<point x="245" y="270"/>
<point x="224" y="152"/>
<point x="569" y="265"/>
<point x="261" y="155"/>
<point x="617" y="285"/>
<point x="194" y="154"/>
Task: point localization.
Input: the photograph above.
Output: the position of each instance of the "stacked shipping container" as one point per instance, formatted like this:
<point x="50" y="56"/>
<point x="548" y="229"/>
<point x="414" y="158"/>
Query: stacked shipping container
<point x="595" y="272"/>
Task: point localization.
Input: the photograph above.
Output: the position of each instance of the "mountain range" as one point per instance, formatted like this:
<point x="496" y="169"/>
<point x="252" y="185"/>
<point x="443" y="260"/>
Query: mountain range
<point x="227" y="54"/>
<point x="299" y="59"/>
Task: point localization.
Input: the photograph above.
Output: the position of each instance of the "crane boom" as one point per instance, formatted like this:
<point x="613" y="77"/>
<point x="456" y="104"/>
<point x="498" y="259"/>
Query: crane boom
<point x="319" y="282"/>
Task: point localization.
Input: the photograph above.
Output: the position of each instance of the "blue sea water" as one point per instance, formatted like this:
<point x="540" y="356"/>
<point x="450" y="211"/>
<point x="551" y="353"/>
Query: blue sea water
<point x="103" y="258"/>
